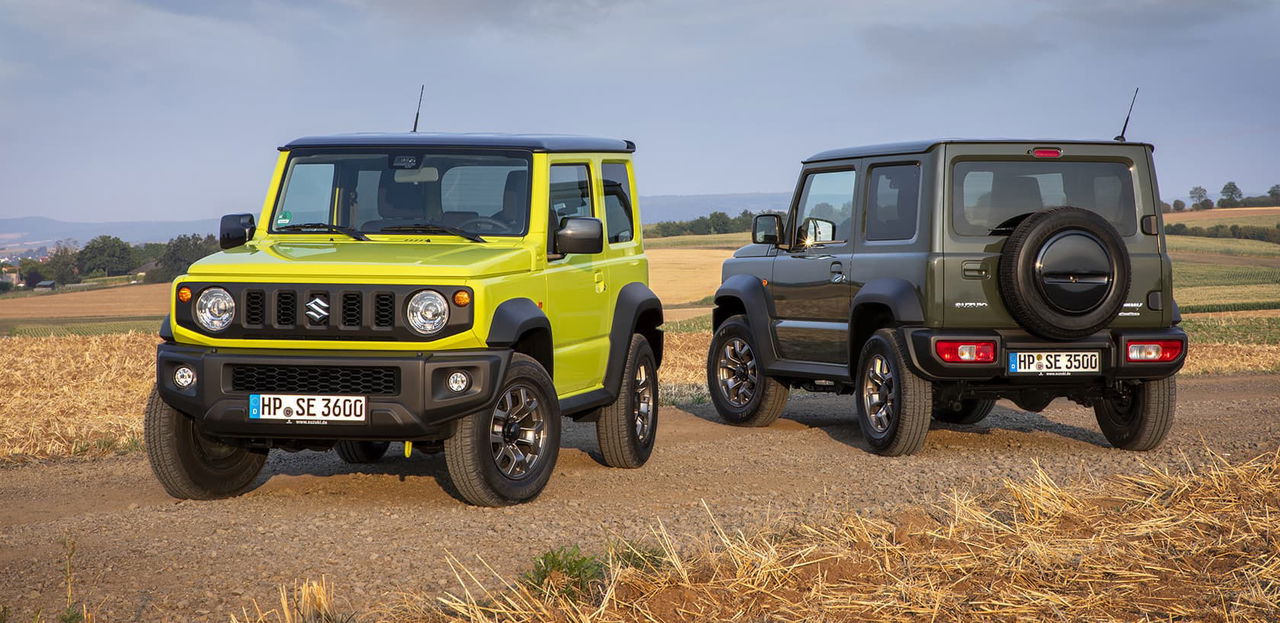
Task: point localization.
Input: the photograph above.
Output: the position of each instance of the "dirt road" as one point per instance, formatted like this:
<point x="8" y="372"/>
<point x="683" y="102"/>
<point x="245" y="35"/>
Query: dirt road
<point x="140" y="556"/>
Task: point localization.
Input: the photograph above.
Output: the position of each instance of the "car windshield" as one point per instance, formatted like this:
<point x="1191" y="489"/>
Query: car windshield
<point x="987" y="195"/>
<point x="372" y="191"/>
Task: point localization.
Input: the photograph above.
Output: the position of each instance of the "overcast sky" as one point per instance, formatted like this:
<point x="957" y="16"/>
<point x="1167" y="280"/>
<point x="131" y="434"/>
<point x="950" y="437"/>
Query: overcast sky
<point x="133" y="109"/>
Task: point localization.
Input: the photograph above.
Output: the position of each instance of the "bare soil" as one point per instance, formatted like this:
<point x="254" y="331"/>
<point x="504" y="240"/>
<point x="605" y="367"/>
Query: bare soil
<point x="1209" y="215"/>
<point x="375" y="531"/>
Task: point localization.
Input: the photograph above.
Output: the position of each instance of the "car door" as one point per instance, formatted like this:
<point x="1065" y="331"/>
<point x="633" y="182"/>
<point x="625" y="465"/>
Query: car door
<point x="809" y="286"/>
<point x="577" y="291"/>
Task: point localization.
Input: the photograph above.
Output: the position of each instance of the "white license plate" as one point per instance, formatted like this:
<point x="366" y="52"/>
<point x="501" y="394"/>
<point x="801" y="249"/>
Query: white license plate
<point x="1054" y="362"/>
<point x="317" y="409"/>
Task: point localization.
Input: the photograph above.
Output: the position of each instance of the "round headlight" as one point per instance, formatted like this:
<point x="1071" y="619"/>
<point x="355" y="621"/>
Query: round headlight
<point x="214" y="309"/>
<point x="428" y="312"/>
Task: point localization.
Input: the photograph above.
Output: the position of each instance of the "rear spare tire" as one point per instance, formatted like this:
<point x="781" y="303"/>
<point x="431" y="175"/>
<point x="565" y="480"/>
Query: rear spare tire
<point x="1064" y="273"/>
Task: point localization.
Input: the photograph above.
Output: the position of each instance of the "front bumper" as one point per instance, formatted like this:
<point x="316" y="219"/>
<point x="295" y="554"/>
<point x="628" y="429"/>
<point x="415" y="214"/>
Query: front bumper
<point x="1111" y="344"/>
<point x="417" y="406"/>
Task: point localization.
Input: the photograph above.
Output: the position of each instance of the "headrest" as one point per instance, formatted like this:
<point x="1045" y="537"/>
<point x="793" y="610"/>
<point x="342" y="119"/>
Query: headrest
<point x="514" y="192"/>
<point x="401" y="200"/>
<point x="1018" y="193"/>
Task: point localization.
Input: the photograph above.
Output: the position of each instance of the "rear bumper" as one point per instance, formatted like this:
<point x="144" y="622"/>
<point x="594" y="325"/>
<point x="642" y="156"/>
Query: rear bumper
<point x="417" y="406"/>
<point x="1111" y="344"/>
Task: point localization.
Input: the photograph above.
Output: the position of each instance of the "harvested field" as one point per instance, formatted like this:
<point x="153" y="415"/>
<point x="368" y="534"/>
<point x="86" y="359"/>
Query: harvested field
<point x="1260" y="217"/>
<point x="1222" y="246"/>
<point x="685" y="275"/>
<point x="141" y="300"/>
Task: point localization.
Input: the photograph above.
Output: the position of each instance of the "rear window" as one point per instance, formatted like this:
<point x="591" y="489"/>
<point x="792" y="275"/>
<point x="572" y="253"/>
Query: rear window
<point x="987" y="195"/>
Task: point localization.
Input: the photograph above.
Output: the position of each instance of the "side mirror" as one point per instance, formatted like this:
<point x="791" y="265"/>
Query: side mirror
<point x="235" y="230"/>
<point x="580" y="234"/>
<point x="766" y="229"/>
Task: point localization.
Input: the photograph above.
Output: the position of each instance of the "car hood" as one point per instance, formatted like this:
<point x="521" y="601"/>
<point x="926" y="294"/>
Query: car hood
<point x="360" y="260"/>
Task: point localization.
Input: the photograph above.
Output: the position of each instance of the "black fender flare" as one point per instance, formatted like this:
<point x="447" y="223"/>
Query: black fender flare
<point x="897" y="294"/>
<point x="512" y="319"/>
<point x="748" y="291"/>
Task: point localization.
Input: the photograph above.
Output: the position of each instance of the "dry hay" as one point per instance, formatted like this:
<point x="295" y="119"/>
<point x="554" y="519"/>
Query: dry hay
<point x="685" y="275"/>
<point x="73" y="396"/>
<point x="124" y="301"/>
<point x="1158" y="546"/>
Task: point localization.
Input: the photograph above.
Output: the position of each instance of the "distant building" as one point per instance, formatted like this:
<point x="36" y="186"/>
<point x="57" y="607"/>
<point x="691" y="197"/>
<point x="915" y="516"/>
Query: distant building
<point x="45" y="286"/>
<point x="10" y="274"/>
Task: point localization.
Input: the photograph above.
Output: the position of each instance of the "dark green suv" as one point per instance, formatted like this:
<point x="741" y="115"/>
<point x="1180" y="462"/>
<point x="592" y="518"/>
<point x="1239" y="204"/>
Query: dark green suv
<point x="929" y="279"/>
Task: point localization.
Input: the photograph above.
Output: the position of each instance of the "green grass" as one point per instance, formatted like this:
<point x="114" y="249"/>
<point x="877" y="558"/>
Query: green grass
<point x="1232" y="330"/>
<point x="709" y="241"/>
<point x="1192" y="274"/>
<point x="28" y="327"/>
<point x="698" y="324"/>
<point x="1223" y="246"/>
<point x="564" y="571"/>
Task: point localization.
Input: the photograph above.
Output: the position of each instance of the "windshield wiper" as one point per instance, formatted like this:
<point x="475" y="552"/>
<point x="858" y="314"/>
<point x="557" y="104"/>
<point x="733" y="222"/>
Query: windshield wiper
<point x="337" y="229"/>
<point x="423" y="228"/>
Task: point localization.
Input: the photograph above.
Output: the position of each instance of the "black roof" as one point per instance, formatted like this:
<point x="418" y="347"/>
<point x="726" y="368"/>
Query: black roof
<point x="919" y="147"/>
<point x="532" y="142"/>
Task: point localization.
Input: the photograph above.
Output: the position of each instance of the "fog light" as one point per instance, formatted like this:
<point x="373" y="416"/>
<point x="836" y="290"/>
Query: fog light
<point x="184" y="377"/>
<point x="458" y="382"/>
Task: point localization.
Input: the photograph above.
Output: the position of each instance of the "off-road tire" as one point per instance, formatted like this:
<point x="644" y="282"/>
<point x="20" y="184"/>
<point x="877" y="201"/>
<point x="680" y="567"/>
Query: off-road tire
<point x="907" y="422"/>
<point x="1143" y="423"/>
<point x="469" y="454"/>
<point x="1022" y="291"/>
<point x="971" y="411"/>
<point x="625" y="432"/>
<point x="361" y="452"/>
<point x="190" y="466"/>
<point x="769" y="397"/>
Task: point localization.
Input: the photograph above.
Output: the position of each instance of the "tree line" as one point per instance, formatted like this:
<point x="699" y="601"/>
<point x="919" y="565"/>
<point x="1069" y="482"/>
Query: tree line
<point x="109" y="256"/>
<point x="714" y="223"/>
<point x="1230" y="197"/>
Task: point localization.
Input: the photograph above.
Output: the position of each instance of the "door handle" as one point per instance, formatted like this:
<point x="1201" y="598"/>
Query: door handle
<point x="599" y="278"/>
<point x="837" y="273"/>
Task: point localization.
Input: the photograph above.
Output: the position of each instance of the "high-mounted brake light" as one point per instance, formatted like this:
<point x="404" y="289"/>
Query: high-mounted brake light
<point x="1046" y="152"/>
<point x="1154" y="351"/>
<point x="960" y="351"/>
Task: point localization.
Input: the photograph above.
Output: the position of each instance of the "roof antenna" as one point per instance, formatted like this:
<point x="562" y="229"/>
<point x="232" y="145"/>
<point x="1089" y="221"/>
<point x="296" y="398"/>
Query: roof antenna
<point x="1126" y="117"/>
<point x="423" y="89"/>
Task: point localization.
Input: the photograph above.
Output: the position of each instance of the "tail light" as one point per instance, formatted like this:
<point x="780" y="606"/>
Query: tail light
<point x="962" y="351"/>
<point x="1046" y="152"/>
<point x="1154" y="350"/>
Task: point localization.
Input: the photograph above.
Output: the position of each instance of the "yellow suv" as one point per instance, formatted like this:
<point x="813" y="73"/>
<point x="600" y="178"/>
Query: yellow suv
<point x="457" y="291"/>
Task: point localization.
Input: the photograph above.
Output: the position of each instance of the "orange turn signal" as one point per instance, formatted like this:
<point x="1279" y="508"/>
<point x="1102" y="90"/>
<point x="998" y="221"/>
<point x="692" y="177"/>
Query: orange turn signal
<point x="462" y="298"/>
<point x="184" y="294"/>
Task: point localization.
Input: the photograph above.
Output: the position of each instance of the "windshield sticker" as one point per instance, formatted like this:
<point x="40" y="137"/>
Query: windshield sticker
<point x="285" y="218"/>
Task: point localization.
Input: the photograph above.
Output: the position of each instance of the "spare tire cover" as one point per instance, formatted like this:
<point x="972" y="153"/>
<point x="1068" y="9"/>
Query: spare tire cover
<point x="1064" y="273"/>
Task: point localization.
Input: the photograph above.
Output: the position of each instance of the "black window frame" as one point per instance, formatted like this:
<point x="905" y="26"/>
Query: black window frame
<point x="629" y="206"/>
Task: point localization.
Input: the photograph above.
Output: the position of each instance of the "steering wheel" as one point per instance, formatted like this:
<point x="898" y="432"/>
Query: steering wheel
<point x="493" y="224"/>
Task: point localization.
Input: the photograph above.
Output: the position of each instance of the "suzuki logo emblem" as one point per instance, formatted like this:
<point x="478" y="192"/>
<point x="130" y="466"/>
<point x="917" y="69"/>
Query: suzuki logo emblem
<point x="318" y="309"/>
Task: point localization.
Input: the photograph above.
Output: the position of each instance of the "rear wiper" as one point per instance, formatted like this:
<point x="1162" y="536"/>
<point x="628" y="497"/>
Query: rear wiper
<point x="430" y="227"/>
<point x="337" y="229"/>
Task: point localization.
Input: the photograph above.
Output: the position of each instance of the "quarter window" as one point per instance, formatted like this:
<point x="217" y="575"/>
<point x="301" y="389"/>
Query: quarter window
<point x="893" y="202"/>
<point x="825" y="213"/>
<point x="617" y="202"/>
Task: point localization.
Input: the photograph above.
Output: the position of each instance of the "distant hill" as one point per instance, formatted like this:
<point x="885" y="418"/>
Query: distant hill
<point x="33" y="231"/>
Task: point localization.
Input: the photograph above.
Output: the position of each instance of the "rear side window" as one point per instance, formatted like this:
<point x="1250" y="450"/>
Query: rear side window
<point x="617" y="202"/>
<point x="893" y="201"/>
<point x="986" y="196"/>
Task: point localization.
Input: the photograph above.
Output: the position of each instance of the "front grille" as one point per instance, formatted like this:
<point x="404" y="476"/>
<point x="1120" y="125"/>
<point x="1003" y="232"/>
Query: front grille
<point x="384" y="310"/>
<point x="255" y="307"/>
<point x="354" y="380"/>
<point x="286" y="308"/>
<point x="352" y="309"/>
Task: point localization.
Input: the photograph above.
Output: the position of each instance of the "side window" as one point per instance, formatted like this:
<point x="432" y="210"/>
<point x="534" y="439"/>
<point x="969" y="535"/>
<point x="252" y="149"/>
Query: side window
<point x="570" y="192"/>
<point x="617" y="202"/>
<point x="893" y="202"/>
<point x="308" y="195"/>
<point x="825" y="213"/>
